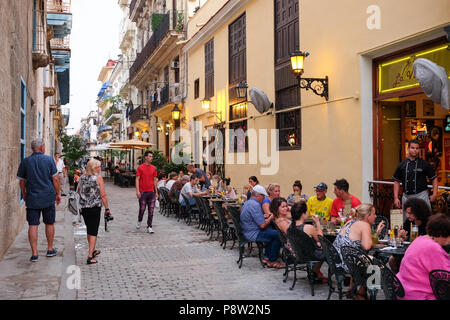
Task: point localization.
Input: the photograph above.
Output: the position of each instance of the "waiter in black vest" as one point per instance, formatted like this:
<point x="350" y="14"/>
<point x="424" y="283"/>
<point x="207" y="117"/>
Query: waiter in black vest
<point x="413" y="173"/>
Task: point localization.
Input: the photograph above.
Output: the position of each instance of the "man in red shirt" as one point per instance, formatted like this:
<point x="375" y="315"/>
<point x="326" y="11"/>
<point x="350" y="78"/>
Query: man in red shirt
<point x="146" y="191"/>
<point x="343" y="203"/>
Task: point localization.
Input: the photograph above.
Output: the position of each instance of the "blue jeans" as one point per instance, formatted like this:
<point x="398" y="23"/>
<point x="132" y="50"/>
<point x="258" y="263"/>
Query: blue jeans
<point x="272" y="240"/>
<point x="191" y="202"/>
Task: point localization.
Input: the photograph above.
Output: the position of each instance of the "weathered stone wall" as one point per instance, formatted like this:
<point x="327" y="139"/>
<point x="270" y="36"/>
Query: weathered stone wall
<point x="16" y="25"/>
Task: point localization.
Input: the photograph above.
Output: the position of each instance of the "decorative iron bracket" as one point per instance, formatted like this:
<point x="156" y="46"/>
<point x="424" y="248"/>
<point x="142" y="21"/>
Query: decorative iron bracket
<point x="318" y="85"/>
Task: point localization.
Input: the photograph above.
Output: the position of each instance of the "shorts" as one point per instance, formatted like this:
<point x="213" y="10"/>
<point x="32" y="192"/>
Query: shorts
<point x="34" y="216"/>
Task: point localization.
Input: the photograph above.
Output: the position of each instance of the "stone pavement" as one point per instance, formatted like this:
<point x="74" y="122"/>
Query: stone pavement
<point x="176" y="262"/>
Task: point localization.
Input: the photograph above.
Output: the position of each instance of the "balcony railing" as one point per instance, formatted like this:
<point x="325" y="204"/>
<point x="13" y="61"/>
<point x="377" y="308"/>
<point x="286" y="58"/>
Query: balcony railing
<point x="140" y="113"/>
<point x="151" y="46"/>
<point x="382" y="194"/>
<point x="163" y="99"/>
<point x="58" y="6"/>
<point x="60" y="43"/>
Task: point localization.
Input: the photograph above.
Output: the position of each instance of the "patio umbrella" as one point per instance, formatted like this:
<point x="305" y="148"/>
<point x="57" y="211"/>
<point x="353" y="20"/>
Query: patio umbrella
<point x="131" y="144"/>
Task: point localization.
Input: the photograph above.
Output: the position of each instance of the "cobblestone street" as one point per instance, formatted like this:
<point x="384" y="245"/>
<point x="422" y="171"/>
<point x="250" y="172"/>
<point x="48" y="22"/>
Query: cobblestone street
<point x="175" y="262"/>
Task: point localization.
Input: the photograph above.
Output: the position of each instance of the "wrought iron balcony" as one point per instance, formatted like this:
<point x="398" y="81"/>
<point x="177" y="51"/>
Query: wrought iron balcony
<point x="139" y="114"/>
<point x="163" y="99"/>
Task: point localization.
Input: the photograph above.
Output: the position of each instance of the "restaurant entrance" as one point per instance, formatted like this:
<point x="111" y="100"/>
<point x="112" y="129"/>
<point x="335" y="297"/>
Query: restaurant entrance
<point x="402" y="112"/>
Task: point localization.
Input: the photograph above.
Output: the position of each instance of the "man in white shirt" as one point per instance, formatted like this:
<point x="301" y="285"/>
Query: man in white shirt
<point x="62" y="172"/>
<point x="190" y="191"/>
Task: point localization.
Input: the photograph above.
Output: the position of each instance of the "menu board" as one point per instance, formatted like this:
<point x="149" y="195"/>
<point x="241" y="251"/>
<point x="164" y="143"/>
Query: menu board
<point x="396" y="218"/>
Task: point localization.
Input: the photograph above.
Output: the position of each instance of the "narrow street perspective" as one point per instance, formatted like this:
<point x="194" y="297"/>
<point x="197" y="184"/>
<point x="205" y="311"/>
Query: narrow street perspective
<point x="209" y="151"/>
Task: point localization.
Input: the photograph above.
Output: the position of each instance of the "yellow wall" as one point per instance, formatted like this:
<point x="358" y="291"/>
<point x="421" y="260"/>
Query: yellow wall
<point x="336" y="35"/>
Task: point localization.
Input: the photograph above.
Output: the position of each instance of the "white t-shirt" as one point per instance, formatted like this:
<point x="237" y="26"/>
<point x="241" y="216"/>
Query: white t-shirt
<point x="161" y="183"/>
<point x="187" y="188"/>
<point x="60" y="165"/>
<point x="169" y="184"/>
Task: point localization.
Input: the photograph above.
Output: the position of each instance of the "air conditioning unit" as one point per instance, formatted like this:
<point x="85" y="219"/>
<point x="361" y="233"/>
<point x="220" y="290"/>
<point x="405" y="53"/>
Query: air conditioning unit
<point x="175" y="65"/>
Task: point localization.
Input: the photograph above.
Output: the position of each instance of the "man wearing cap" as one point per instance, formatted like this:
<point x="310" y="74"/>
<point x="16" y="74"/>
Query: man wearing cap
<point x="320" y="204"/>
<point x="257" y="228"/>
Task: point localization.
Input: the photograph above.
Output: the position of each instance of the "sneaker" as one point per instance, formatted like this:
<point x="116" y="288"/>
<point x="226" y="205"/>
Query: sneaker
<point x="34" y="258"/>
<point x="138" y="225"/>
<point x="52" y="253"/>
<point x="150" y="230"/>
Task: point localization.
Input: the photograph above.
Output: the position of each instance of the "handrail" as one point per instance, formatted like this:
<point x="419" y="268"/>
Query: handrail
<point x="392" y="183"/>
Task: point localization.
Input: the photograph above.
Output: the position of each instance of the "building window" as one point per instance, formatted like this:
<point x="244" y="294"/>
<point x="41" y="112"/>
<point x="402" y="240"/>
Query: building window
<point x="237" y="48"/>
<point x="209" y="69"/>
<point x="287" y="94"/>
<point x="238" y="136"/>
<point x="196" y="88"/>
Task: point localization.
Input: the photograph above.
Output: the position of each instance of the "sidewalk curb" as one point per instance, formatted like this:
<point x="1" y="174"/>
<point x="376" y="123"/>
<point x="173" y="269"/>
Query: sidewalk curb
<point x="64" y="292"/>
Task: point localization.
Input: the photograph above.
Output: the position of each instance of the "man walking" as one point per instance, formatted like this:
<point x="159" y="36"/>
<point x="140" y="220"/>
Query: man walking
<point x="40" y="188"/>
<point x="413" y="173"/>
<point x="60" y="166"/>
<point x="146" y="191"/>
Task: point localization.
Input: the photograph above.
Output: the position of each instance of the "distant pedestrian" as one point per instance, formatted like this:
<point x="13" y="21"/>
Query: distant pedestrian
<point x="61" y="167"/>
<point x="146" y="191"/>
<point x="40" y="188"/>
<point x="413" y="173"/>
<point x="91" y="189"/>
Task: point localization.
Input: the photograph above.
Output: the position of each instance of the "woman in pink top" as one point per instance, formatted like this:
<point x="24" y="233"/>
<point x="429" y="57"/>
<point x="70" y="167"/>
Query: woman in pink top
<point x="423" y="255"/>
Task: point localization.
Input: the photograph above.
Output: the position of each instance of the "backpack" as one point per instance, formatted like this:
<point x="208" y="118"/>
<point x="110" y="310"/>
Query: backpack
<point x="73" y="204"/>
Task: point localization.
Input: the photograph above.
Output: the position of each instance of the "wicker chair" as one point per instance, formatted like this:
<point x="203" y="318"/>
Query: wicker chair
<point x="303" y="247"/>
<point x="235" y="216"/>
<point x="212" y="221"/>
<point x="333" y="260"/>
<point x="202" y="216"/>
<point x="164" y="201"/>
<point x="440" y="283"/>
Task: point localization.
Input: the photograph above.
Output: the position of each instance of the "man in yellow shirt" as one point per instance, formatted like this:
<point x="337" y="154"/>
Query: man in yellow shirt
<point x="320" y="204"/>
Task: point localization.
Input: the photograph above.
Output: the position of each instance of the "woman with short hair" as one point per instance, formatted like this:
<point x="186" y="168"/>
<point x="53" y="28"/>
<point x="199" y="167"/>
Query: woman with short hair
<point x="426" y="253"/>
<point x="92" y="194"/>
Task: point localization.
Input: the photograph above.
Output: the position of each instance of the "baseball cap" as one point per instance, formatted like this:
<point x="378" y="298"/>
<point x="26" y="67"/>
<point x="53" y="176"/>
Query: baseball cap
<point x="260" y="190"/>
<point x="322" y="186"/>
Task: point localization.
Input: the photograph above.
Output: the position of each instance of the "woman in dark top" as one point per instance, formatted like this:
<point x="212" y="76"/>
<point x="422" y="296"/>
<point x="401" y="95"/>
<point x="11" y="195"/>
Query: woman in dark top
<point x="299" y="215"/>
<point x="253" y="181"/>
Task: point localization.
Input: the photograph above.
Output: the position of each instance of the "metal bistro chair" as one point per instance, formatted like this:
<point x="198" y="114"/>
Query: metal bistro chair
<point x="231" y="227"/>
<point x="391" y="285"/>
<point x="226" y="232"/>
<point x="213" y="220"/>
<point x="303" y="247"/>
<point x="163" y="201"/>
<point x="440" y="283"/>
<point x="358" y="262"/>
<point x="190" y="211"/>
<point x="288" y="256"/>
<point x="378" y="219"/>
<point x="201" y="213"/>
<point x="236" y="217"/>
<point x="333" y="260"/>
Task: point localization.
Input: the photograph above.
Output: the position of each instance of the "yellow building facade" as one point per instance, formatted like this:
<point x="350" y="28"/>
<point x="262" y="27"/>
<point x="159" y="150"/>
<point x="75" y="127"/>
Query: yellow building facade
<point x="347" y="41"/>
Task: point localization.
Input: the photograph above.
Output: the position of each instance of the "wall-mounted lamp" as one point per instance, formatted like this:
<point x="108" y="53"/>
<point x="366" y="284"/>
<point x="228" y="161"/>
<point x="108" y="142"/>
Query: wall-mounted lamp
<point x="159" y="128"/>
<point x="318" y="85"/>
<point x="176" y="112"/>
<point x="206" y="103"/>
<point x="137" y="134"/>
<point x="241" y="90"/>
